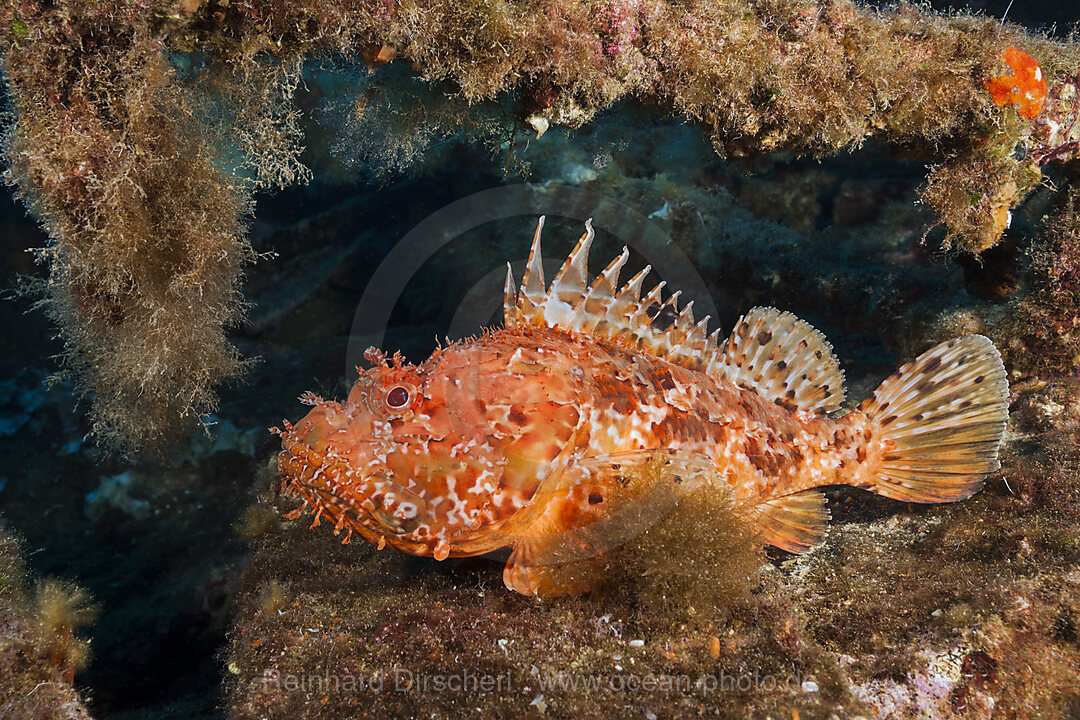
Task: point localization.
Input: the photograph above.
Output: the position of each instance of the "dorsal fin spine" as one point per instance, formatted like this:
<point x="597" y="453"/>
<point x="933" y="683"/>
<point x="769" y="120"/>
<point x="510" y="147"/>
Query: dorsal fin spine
<point x="686" y="317"/>
<point x="594" y="306"/>
<point x="677" y="335"/>
<point x="662" y="340"/>
<point x="713" y="342"/>
<point x="573" y="277"/>
<point x="632" y="289"/>
<point x="620" y="309"/>
<point x="509" y="297"/>
<point x="692" y="349"/>
<point x="640" y="319"/>
<point x="608" y="281"/>
<point x="533" y="290"/>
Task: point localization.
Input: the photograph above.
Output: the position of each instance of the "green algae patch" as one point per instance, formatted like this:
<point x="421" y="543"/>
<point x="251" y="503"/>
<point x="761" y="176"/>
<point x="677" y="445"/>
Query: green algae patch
<point x="703" y="553"/>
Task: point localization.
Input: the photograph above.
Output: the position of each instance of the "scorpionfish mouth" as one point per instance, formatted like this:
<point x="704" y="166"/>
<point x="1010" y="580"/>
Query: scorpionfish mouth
<point x="344" y="478"/>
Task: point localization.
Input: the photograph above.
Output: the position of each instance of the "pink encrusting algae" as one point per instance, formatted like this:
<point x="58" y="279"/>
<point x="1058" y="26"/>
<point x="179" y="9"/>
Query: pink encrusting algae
<point x="595" y="410"/>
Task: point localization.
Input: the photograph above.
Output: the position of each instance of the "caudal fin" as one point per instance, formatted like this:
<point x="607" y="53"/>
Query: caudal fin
<point x="945" y="414"/>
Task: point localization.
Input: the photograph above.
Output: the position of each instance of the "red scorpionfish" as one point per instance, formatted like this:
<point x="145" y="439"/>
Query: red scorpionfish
<point x="594" y="409"/>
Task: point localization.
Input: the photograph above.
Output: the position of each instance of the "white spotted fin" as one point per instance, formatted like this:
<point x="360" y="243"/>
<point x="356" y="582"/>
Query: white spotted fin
<point x="943" y="418"/>
<point x="783" y="359"/>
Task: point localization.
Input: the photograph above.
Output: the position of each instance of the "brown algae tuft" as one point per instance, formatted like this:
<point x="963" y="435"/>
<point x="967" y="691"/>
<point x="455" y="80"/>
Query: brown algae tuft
<point x="41" y="648"/>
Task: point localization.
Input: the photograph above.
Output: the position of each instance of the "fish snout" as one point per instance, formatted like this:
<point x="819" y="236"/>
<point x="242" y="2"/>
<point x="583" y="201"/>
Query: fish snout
<point x="311" y="445"/>
<point x="318" y="425"/>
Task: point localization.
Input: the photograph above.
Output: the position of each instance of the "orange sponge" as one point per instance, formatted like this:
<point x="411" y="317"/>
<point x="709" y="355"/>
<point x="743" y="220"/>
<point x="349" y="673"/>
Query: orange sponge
<point x="1023" y="86"/>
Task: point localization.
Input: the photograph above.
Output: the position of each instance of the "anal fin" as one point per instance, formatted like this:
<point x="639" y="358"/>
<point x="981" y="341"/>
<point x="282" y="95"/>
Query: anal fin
<point x="795" y="523"/>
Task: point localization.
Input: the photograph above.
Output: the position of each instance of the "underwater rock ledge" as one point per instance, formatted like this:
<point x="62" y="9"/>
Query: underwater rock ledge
<point x="141" y="160"/>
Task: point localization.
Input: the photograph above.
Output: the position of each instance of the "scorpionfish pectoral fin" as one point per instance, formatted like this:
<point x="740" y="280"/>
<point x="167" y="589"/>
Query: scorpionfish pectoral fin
<point x="599" y="504"/>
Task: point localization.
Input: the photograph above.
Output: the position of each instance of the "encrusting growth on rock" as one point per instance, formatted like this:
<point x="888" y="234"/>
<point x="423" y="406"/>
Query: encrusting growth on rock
<point x="141" y="164"/>
<point x="1023" y="85"/>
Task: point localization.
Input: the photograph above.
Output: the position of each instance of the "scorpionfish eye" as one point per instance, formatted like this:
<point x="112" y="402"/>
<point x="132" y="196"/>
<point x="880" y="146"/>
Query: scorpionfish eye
<point x="398" y="397"/>
<point x="394" y="395"/>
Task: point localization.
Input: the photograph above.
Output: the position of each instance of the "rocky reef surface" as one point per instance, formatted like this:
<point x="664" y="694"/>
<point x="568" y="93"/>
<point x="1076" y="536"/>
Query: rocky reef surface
<point x="210" y="604"/>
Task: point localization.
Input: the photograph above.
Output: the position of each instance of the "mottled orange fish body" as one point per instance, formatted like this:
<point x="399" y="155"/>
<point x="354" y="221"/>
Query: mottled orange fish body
<point x="595" y="409"/>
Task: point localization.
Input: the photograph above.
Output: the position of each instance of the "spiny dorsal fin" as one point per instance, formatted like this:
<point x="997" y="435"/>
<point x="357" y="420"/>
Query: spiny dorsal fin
<point x="654" y="324"/>
<point x="617" y="318"/>
<point x="601" y="294"/>
<point x="783" y="359"/>
<point x="568" y="288"/>
<point x="795" y="523"/>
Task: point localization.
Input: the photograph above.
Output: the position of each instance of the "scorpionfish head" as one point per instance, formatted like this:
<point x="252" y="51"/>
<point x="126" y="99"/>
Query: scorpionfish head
<point x="439" y="459"/>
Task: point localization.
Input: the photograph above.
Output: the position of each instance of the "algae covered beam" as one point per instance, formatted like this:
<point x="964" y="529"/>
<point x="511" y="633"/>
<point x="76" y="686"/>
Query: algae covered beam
<point x="139" y="132"/>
